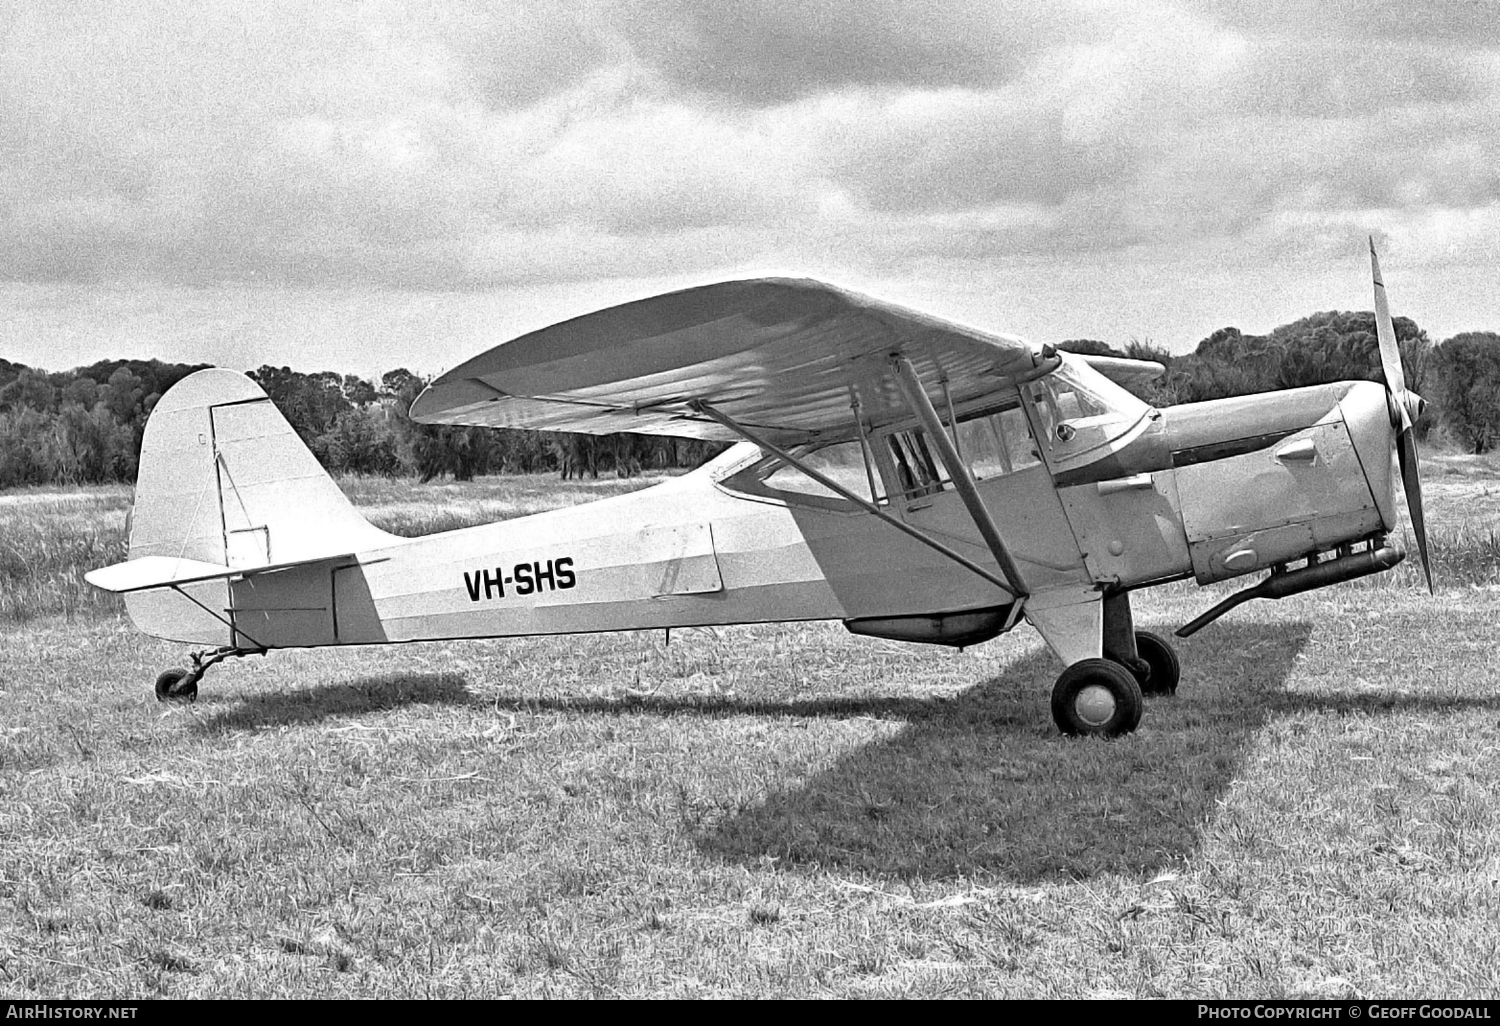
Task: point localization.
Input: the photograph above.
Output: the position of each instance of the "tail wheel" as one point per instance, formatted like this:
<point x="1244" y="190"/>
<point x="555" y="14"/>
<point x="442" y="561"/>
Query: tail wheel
<point x="176" y="685"/>
<point x="1162" y="658"/>
<point x="1097" y="697"/>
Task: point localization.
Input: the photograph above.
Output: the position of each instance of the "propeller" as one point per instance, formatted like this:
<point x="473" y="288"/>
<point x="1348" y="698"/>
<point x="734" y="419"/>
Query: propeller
<point x="1406" y="407"/>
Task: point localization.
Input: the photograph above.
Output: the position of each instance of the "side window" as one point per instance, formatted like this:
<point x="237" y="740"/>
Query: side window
<point x="843" y="463"/>
<point x="918" y="472"/>
<point x="997" y="443"/>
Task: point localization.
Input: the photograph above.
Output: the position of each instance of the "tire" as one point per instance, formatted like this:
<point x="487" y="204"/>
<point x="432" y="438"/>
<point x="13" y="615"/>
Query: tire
<point x="1165" y="669"/>
<point x="1097" y="698"/>
<point x="174" y="685"/>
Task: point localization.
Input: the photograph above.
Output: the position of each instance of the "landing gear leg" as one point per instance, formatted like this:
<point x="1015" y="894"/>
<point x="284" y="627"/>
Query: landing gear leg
<point x="1120" y="638"/>
<point x="1146" y="655"/>
<point x="180" y="684"/>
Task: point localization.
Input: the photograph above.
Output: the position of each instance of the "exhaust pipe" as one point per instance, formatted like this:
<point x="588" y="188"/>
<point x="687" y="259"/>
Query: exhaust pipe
<point x="1344" y="566"/>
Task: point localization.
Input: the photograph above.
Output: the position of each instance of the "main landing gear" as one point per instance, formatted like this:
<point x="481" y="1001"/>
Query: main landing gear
<point x="180" y="684"/>
<point x="1162" y="668"/>
<point x="1105" y="697"/>
<point x="1097" y="696"/>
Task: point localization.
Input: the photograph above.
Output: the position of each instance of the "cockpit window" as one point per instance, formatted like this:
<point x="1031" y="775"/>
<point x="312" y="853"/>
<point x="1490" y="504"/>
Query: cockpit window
<point x="918" y="471"/>
<point x="997" y="442"/>
<point x="1066" y="416"/>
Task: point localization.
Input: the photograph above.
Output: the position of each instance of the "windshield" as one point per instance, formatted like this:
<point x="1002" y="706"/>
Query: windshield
<point x="1080" y="411"/>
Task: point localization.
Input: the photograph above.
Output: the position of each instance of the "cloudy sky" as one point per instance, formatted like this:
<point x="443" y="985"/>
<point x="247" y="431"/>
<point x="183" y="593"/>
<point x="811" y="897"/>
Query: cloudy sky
<point x="364" y="184"/>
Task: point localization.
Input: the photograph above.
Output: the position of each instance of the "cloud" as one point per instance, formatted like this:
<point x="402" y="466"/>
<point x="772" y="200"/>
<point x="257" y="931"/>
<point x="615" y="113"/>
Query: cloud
<point x="768" y="52"/>
<point x="459" y="143"/>
<point x="1465" y="23"/>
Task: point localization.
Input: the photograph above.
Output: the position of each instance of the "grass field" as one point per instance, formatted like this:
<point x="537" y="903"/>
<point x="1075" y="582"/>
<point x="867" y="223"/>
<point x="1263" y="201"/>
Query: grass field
<point x="777" y="810"/>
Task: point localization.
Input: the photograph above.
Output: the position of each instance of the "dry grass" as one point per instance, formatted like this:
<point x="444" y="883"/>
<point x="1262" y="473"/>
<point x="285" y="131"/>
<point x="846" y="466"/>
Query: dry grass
<point x="777" y="810"/>
<point x="759" y="811"/>
<point x="49" y="540"/>
<point x="1461" y="491"/>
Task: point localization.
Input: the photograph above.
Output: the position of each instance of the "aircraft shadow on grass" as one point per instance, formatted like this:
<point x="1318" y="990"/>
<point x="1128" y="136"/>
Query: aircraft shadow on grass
<point x="974" y="784"/>
<point x="981" y="783"/>
<point x="286" y="707"/>
<point x="981" y="786"/>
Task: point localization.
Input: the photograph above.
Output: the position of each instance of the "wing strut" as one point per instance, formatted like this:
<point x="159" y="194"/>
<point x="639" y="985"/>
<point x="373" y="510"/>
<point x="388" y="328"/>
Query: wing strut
<point x="963" y="481"/>
<point x="869" y="507"/>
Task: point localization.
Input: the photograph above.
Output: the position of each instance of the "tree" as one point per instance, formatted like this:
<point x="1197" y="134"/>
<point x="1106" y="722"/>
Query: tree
<point x="1343" y="346"/>
<point x="401" y="382"/>
<point x="1469" y="385"/>
<point x="83" y="391"/>
<point x="29" y="450"/>
<point x="9" y="371"/>
<point x="31" y="390"/>
<point x="123" y="394"/>
<point x="358" y="391"/>
<point x="361" y="442"/>
<point x="311" y="403"/>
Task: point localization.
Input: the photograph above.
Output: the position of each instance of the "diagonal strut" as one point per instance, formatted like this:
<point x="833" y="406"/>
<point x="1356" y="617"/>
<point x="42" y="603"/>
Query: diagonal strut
<point x="963" y="481"/>
<point x="869" y="507"/>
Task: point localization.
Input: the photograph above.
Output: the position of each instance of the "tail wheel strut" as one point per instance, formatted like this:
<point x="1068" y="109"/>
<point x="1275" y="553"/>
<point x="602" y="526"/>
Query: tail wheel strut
<point x="180" y="684"/>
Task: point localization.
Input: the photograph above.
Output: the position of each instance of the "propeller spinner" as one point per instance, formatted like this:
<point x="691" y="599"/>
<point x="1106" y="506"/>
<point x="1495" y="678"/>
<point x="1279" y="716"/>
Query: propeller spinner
<point x="1406" y="407"/>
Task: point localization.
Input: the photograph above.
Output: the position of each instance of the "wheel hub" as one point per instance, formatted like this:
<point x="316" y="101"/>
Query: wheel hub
<point x="1095" y="705"/>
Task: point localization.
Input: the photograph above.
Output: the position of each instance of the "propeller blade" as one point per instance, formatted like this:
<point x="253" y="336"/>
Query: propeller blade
<point x="1390" y="354"/>
<point x="1411" y="481"/>
<point x="1402" y="403"/>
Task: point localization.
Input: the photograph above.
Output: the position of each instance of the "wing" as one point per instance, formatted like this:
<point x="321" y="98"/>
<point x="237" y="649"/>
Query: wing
<point x="785" y="356"/>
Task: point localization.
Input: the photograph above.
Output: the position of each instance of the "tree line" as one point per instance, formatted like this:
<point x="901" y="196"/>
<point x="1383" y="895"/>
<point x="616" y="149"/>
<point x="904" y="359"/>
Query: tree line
<point x="85" y="425"/>
<point x="1459" y="378"/>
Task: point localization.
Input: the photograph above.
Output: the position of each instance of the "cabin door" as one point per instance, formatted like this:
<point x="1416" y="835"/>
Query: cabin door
<point x="997" y="448"/>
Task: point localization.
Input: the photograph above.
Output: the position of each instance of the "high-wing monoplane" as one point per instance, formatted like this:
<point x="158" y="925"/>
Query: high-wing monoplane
<point x="914" y="478"/>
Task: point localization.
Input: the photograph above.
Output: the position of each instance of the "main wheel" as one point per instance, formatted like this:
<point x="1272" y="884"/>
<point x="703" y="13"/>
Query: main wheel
<point x="176" y="685"/>
<point x="1165" y="669"/>
<point x="1097" y="697"/>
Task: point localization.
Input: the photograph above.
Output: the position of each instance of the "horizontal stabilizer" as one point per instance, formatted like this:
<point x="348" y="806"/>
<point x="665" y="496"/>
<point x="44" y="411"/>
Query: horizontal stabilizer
<point x="147" y="572"/>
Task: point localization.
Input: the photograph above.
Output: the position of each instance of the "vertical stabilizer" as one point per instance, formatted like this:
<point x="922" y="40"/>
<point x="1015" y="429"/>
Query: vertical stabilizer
<point x="224" y="479"/>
